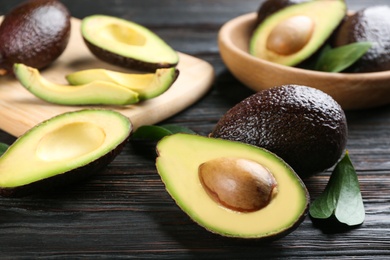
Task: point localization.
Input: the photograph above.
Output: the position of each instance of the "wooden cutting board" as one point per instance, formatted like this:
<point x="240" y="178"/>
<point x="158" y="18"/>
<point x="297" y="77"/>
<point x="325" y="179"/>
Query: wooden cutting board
<point x="20" y="110"/>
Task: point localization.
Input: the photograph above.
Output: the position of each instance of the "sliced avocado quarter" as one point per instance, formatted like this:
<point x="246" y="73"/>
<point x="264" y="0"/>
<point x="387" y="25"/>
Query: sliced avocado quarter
<point x="62" y="150"/>
<point x="127" y="44"/>
<point x="192" y="167"/>
<point x="296" y="32"/>
<point x="147" y="85"/>
<point x="93" y="93"/>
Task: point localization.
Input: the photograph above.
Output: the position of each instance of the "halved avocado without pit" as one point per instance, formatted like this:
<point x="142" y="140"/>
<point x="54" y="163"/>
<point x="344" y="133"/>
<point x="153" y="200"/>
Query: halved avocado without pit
<point x="62" y="150"/>
<point x="231" y="188"/>
<point x="127" y="44"/>
<point x="147" y="85"/>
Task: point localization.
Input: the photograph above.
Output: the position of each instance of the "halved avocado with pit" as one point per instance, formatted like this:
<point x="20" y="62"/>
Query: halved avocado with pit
<point x="231" y="188"/>
<point x="293" y="34"/>
<point x="127" y="44"/>
<point x="147" y="85"/>
<point x="62" y="150"/>
<point x="92" y="93"/>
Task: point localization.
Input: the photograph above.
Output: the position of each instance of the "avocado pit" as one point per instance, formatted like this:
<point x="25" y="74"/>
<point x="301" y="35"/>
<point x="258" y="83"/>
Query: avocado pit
<point x="290" y="35"/>
<point x="238" y="184"/>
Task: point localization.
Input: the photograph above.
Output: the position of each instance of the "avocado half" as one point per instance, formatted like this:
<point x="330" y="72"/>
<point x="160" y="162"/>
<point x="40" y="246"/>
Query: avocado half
<point x="127" y="44"/>
<point x="294" y="33"/>
<point x="147" y="85"/>
<point x="180" y="157"/>
<point x="62" y="150"/>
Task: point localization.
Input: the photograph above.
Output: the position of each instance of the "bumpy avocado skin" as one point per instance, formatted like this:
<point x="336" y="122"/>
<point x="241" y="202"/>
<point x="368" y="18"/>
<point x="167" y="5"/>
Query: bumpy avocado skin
<point x="26" y="37"/>
<point x="371" y="24"/>
<point x="271" y="6"/>
<point x="302" y="125"/>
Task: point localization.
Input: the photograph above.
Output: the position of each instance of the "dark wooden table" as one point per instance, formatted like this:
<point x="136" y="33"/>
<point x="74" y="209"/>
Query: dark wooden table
<point x="124" y="211"/>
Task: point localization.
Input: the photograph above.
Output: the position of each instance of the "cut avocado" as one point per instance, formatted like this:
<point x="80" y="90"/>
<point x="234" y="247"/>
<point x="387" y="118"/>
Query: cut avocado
<point x="185" y="160"/>
<point x="93" y="93"/>
<point x="62" y="150"/>
<point x="148" y="85"/>
<point x="127" y="44"/>
<point x="293" y="34"/>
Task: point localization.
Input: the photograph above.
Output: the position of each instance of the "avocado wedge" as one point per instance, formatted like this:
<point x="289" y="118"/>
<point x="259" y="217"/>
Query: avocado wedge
<point x="62" y="150"/>
<point x="147" y="85"/>
<point x="93" y="93"/>
<point x="126" y="44"/>
<point x="215" y="182"/>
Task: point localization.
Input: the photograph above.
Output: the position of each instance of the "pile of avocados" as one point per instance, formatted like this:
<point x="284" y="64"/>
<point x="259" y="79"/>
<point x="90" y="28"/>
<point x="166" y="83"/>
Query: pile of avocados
<point x="295" y="33"/>
<point x="244" y="180"/>
<point x="74" y="145"/>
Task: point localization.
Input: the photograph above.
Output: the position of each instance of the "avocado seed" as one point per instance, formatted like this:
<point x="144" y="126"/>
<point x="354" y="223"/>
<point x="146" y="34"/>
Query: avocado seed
<point x="238" y="184"/>
<point x="290" y="35"/>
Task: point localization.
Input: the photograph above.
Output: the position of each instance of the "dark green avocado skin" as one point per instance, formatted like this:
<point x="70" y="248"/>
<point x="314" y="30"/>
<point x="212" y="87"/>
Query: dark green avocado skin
<point x="34" y="33"/>
<point x="371" y="24"/>
<point x="125" y="62"/>
<point x="302" y="125"/>
<point x="272" y="6"/>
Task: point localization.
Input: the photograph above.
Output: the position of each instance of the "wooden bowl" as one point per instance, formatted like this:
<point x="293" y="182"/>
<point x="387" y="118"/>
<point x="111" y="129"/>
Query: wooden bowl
<point x="350" y="90"/>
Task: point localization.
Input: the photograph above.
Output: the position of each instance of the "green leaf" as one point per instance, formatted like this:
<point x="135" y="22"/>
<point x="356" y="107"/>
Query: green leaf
<point x="341" y="197"/>
<point x="340" y="58"/>
<point x="3" y="148"/>
<point x="155" y="133"/>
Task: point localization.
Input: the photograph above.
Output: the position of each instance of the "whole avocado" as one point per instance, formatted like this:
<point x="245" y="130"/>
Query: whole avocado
<point x="34" y="33"/>
<point x="303" y="125"/>
<point x="371" y="24"/>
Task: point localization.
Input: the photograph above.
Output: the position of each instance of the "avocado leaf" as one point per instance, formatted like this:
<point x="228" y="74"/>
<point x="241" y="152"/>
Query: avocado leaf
<point x="155" y="133"/>
<point x="340" y="58"/>
<point x="3" y="148"/>
<point x="146" y="137"/>
<point x="341" y="197"/>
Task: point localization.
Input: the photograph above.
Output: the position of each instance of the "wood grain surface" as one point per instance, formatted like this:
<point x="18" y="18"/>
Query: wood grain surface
<point x="124" y="210"/>
<point x="20" y="110"/>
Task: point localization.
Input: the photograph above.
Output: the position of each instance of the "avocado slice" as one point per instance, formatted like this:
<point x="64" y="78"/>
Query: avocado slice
<point x="127" y="44"/>
<point x="93" y="93"/>
<point x="148" y="85"/>
<point x="180" y="162"/>
<point x="296" y="32"/>
<point x="62" y="150"/>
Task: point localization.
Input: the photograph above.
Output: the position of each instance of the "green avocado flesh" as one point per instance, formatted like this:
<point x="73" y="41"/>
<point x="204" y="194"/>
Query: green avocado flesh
<point x="178" y="162"/>
<point x="296" y="32"/>
<point x="127" y="44"/>
<point x="63" y="149"/>
<point x="93" y="93"/>
<point x="148" y="85"/>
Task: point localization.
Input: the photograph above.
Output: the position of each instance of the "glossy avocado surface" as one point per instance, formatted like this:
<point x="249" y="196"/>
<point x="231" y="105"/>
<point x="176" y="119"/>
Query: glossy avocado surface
<point x="34" y="33"/>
